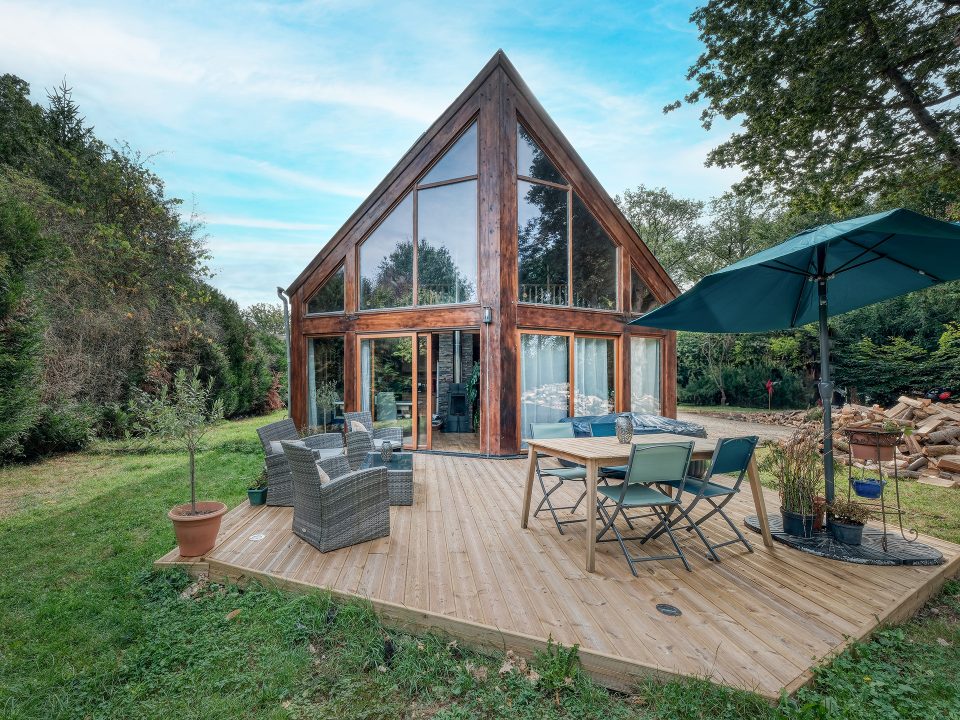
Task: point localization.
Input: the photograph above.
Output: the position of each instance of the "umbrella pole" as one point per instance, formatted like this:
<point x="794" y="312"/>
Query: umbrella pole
<point x="826" y="389"/>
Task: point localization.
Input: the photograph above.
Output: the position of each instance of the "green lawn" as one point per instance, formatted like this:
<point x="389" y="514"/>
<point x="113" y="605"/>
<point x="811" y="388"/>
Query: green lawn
<point x="87" y="630"/>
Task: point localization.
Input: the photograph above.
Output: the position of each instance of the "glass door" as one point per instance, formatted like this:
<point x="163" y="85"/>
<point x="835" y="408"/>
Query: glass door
<point x="387" y="389"/>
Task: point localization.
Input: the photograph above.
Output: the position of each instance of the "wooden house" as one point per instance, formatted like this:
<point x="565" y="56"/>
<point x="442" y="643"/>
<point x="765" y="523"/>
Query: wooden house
<point x="512" y="305"/>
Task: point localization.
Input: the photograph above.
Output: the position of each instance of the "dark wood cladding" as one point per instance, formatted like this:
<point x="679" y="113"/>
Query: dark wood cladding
<point x="495" y="99"/>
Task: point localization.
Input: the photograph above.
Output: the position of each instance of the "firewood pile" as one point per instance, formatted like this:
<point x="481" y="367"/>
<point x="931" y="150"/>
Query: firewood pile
<point x="929" y="450"/>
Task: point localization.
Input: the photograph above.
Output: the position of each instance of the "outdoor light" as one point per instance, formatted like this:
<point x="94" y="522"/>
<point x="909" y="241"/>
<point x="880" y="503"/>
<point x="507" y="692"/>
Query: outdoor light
<point x="487" y="314"/>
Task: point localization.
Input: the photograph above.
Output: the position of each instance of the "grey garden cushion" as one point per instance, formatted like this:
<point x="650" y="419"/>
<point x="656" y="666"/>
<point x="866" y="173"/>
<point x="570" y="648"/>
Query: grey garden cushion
<point x="324" y="453"/>
<point x="322" y="475"/>
<point x="275" y="446"/>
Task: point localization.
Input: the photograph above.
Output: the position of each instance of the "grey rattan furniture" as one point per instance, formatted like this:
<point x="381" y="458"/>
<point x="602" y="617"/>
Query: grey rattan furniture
<point x="279" y="480"/>
<point x="393" y="434"/>
<point x="358" y="445"/>
<point x="349" y="509"/>
<point x="399" y="475"/>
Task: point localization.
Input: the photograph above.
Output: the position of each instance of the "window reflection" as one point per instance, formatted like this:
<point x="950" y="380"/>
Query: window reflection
<point x="329" y="298"/>
<point x="447" y="253"/>
<point x="458" y="162"/>
<point x="532" y="161"/>
<point x="594" y="262"/>
<point x="641" y="299"/>
<point x="386" y="261"/>
<point x="325" y="368"/>
<point x="542" y="243"/>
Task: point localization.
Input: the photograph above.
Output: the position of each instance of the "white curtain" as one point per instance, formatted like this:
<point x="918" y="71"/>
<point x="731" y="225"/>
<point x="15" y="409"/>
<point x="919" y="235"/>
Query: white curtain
<point x="311" y="386"/>
<point x="544" y="380"/>
<point x="365" y="377"/>
<point x="592" y="377"/>
<point x="645" y="375"/>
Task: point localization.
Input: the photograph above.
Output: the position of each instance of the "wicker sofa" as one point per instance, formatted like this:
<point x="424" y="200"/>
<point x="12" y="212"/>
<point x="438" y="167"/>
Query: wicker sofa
<point x="378" y="435"/>
<point x="353" y="507"/>
<point x="279" y="480"/>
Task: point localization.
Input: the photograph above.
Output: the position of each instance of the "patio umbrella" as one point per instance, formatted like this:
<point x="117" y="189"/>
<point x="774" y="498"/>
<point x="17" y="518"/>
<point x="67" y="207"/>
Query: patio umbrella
<point x="826" y="270"/>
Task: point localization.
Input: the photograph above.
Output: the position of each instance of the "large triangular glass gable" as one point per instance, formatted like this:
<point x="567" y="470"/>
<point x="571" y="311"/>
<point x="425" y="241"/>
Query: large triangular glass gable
<point x="532" y="162"/>
<point x="329" y="297"/>
<point x="460" y="161"/>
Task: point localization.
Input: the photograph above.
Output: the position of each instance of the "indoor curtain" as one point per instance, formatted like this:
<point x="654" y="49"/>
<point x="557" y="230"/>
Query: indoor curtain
<point x="365" y="376"/>
<point x="544" y="380"/>
<point x="591" y="380"/>
<point x="312" y="385"/>
<point x="645" y="375"/>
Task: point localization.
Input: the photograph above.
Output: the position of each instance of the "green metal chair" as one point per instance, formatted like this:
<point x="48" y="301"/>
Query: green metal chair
<point x="731" y="458"/>
<point x="577" y="473"/>
<point x="662" y="463"/>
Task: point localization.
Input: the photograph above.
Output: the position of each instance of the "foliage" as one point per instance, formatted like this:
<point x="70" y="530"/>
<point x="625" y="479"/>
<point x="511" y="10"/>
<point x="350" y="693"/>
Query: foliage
<point x="848" y="512"/>
<point x="473" y="395"/>
<point x="797" y="466"/>
<point x="122" y="289"/>
<point x="60" y="426"/>
<point x="839" y="101"/>
<point x="22" y="249"/>
<point x="86" y="632"/>
<point x="259" y="480"/>
<point x="327" y="399"/>
<point x="183" y="417"/>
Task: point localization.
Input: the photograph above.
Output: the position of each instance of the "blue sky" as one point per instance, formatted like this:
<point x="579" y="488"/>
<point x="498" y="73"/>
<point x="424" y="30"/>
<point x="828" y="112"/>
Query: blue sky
<point x="274" y="120"/>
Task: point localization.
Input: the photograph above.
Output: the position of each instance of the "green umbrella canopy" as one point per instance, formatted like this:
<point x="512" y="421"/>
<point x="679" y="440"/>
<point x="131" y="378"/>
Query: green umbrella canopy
<point x="828" y="269"/>
<point x="864" y="260"/>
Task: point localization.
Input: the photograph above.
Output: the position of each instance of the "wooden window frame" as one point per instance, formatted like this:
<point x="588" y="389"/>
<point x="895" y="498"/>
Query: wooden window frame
<point x="621" y="296"/>
<point x="414" y="190"/>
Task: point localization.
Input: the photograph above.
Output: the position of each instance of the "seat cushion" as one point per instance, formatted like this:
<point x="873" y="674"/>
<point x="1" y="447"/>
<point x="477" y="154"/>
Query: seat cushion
<point x="637" y="495"/>
<point x="277" y="449"/>
<point x="322" y="474"/>
<point x="358" y="426"/>
<point x="324" y="453"/>
<point x="573" y="473"/>
<point x="693" y="485"/>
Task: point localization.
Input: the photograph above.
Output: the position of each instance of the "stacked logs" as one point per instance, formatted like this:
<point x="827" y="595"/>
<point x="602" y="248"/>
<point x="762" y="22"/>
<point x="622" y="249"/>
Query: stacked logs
<point x="929" y="450"/>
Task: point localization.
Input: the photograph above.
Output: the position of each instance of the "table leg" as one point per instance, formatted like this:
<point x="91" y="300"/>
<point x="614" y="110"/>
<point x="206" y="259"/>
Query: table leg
<point x="593" y="469"/>
<point x="528" y="487"/>
<point x="757" y="489"/>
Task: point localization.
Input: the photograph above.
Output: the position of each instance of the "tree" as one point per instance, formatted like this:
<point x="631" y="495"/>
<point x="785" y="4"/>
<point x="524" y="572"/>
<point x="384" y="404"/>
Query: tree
<point x="839" y="100"/>
<point x="183" y="417"/>
<point x="665" y="222"/>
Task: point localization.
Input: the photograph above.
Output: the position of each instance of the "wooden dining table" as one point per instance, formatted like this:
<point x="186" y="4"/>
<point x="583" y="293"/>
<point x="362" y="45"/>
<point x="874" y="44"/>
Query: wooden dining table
<point x="597" y="452"/>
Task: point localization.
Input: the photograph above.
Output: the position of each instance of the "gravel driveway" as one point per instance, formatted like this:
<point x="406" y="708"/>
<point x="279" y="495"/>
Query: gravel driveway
<point x="720" y="427"/>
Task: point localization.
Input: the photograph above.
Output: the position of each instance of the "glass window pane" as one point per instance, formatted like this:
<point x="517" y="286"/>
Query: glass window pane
<point x="386" y="261"/>
<point x="645" y="375"/>
<point x="544" y="380"/>
<point x="325" y="386"/>
<point x="594" y="385"/>
<point x="532" y="161"/>
<point x="457" y="162"/>
<point x="594" y="262"/>
<point x="542" y="243"/>
<point x="329" y="298"/>
<point x="386" y="382"/>
<point x="641" y="299"/>
<point x="423" y="411"/>
<point x="447" y="255"/>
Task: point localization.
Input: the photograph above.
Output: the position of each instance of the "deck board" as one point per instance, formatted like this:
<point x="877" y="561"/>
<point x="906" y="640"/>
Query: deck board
<point x="457" y="560"/>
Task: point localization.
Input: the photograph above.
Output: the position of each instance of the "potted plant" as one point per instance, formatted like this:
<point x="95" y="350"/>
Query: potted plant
<point x="327" y="399"/>
<point x="257" y="490"/>
<point x="798" y="468"/>
<point x="876" y="442"/>
<point x="847" y="520"/>
<point x="184" y="417"/>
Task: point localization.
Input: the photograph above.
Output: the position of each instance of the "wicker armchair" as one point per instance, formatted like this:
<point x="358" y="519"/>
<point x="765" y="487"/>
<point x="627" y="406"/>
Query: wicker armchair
<point x="393" y="434"/>
<point x="358" y="445"/>
<point x="350" y="509"/>
<point x="279" y="480"/>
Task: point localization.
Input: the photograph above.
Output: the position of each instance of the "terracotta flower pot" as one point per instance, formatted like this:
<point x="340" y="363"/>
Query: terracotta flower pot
<point x="197" y="534"/>
<point x="876" y="445"/>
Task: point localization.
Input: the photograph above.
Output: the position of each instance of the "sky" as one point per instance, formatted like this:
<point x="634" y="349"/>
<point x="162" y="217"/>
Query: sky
<point x="274" y="120"/>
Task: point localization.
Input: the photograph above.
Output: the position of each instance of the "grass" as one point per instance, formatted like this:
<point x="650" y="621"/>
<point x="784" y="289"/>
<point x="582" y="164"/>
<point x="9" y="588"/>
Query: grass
<point x="724" y="409"/>
<point x="87" y="630"/>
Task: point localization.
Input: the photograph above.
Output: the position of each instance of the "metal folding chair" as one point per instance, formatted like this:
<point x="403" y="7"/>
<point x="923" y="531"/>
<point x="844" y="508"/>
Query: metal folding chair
<point x="577" y="473"/>
<point x="649" y="465"/>
<point x="731" y="458"/>
<point x="599" y="429"/>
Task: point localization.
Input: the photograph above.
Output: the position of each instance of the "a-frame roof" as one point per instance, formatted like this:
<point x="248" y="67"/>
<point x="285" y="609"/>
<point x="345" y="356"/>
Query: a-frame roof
<point x="498" y="63"/>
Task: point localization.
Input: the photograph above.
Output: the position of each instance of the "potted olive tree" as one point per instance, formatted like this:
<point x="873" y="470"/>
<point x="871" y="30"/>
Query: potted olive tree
<point x="183" y="417"/>
<point x="797" y="466"/>
<point x="327" y="399"/>
<point x="847" y="520"/>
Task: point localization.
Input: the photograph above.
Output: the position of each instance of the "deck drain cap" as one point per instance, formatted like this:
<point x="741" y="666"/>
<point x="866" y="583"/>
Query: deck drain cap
<point x="670" y="610"/>
<point x="257" y="537"/>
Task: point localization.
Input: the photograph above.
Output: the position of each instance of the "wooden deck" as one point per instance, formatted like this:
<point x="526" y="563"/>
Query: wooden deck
<point x="457" y="561"/>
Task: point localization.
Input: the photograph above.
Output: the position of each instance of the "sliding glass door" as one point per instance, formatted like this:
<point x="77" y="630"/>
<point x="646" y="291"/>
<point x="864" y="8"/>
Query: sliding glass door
<point x="548" y="364"/>
<point x="386" y="382"/>
<point x="645" y="375"/>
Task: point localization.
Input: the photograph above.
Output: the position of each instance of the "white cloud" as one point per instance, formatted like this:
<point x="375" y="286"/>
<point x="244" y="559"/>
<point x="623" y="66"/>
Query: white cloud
<point x="264" y="223"/>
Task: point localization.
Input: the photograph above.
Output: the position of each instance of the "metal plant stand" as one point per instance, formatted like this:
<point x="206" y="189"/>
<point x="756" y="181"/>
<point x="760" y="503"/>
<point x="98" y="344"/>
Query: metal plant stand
<point x="880" y="506"/>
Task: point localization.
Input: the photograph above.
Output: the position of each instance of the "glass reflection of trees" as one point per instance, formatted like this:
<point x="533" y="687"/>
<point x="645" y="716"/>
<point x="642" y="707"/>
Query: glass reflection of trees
<point x="329" y="297"/>
<point x="545" y="259"/>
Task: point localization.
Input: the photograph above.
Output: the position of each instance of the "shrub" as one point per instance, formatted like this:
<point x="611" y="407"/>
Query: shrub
<point x="63" y="426"/>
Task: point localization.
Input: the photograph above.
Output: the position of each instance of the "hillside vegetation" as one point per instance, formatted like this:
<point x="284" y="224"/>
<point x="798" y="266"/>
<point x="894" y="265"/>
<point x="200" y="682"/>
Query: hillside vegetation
<point x="104" y="287"/>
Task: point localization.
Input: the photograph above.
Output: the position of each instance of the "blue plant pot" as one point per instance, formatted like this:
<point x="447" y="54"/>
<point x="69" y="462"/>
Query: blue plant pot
<point x="845" y="533"/>
<point x="796" y="524"/>
<point x="257" y="496"/>
<point x="868" y="489"/>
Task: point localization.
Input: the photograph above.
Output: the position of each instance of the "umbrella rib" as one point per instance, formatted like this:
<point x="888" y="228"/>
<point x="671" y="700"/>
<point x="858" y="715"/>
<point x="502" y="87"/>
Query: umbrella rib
<point x="785" y="267"/>
<point x="796" y="308"/>
<point x="851" y="261"/>
<point x="880" y="255"/>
